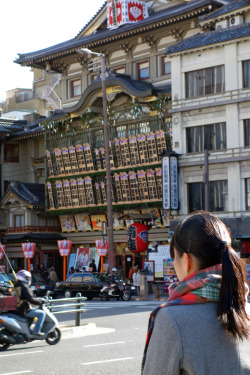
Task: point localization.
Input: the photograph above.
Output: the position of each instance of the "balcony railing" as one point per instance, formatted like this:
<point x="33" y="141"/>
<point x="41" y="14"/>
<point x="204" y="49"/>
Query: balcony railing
<point x="33" y="228"/>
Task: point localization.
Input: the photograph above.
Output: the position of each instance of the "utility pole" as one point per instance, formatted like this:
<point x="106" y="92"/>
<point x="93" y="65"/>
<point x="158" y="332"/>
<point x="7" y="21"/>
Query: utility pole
<point x="206" y="179"/>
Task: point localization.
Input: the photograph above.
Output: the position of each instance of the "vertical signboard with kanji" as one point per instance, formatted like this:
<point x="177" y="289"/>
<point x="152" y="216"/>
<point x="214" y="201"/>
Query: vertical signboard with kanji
<point x="174" y="182"/>
<point x="170" y="199"/>
<point x="165" y="183"/>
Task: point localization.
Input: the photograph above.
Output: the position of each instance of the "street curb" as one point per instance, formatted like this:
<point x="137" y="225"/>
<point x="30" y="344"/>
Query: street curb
<point x="89" y="329"/>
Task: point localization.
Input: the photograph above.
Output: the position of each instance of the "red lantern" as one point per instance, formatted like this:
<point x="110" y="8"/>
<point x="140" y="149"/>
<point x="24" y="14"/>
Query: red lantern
<point x="64" y="247"/>
<point x="137" y="237"/>
<point x="2" y="250"/>
<point x="101" y="248"/>
<point x="28" y="249"/>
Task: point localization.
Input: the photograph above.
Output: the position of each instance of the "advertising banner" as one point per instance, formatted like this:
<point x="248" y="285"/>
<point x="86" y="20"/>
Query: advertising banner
<point x="2" y="250"/>
<point x="64" y="247"/>
<point x="28" y="249"/>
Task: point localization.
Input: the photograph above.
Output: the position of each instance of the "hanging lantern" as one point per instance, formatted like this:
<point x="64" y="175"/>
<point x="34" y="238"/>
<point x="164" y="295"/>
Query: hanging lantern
<point x="101" y="248"/>
<point x="28" y="249"/>
<point x="2" y="250"/>
<point x="64" y="247"/>
<point x="137" y="237"/>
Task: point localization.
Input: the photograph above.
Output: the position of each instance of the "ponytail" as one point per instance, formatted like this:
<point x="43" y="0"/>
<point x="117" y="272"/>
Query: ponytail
<point x="231" y="306"/>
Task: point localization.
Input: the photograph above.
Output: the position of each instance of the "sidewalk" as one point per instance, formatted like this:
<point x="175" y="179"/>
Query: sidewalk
<point x="150" y="297"/>
<point x="88" y="329"/>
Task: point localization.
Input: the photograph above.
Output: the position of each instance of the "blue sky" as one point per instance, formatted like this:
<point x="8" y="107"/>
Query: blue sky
<point x="29" y="25"/>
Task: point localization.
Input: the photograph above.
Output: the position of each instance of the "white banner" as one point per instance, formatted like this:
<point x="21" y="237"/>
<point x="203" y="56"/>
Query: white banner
<point x="165" y="183"/>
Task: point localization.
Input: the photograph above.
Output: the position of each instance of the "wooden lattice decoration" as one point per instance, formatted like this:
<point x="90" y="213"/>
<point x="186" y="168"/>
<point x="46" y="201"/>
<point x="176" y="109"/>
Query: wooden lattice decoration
<point x="50" y="193"/>
<point x="152" y="190"/>
<point x="81" y="192"/>
<point x="152" y="151"/>
<point x="74" y="193"/>
<point x="134" y="191"/>
<point x="143" y="151"/>
<point x="158" y="177"/>
<point x="125" y="187"/>
<point x="125" y="151"/>
<point x="160" y="142"/>
<point x="88" y="157"/>
<point x="98" y="193"/>
<point x="59" y="161"/>
<point x="143" y="185"/>
<point x="60" y="194"/>
<point x="98" y="159"/>
<point x="104" y="196"/>
<point x="66" y="161"/>
<point x="73" y="160"/>
<point x="134" y="154"/>
<point x="50" y="164"/>
<point x="80" y="158"/>
<point x="118" y="152"/>
<point x="118" y="187"/>
<point x="111" y="159"/>
<point x="89" y="190"/>
<point x="67" y="193"/>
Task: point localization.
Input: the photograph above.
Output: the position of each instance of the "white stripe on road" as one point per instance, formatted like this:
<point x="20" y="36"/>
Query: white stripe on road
<point x="9" y="355"/>
<point x="15" y="373"/>
<point x="107" y="343"/>
<point x="107" y="360"/>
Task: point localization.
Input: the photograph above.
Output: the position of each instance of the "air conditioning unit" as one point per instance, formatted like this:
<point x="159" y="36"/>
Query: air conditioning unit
<point x="221" y="25"/>
<point x="235" y="21"/>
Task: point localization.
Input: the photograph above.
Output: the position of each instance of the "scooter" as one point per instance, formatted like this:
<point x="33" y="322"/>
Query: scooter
<point x="15" y="329"/>
<point x="119" y="291"/>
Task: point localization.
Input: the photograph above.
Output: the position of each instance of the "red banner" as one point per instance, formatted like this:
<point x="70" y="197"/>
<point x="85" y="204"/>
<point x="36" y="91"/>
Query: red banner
<point x="2" y="250"/>
<point x="28" y="249"/>
<point x="101" y="248"/>
<point x="64" y="247"/>
<point x="137" y="237"/>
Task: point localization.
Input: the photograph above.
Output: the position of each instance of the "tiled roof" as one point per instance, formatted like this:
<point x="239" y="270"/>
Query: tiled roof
<point x="29" y="193"/>
<point x="73" y="44"/>
<point x="228" y="8"/>
<point x="210" y="37"/>
<point x="84" y="27"/>
<point x="12" y="125"/>
<point x="28" y="132"/>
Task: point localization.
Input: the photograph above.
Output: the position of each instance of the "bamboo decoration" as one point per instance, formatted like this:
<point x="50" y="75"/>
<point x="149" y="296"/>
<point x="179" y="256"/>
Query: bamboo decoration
<point x="134" y="154"/>
<point x="161" y="142"/>
<point x="98" y="159"/>
<point x="59" y="161"/>
<point x="134" y="187"/>
<point x="118" y="152"/>
<point x="111" y="159"/>
<point x="143" y="186"/>
<point x="158" y="176"/>
<point x="67" y="193"/>
<point x="50" y="165"/>
<point x="152" y="151"/>
<point x="66" y="161"/>
<point x="104" y="196"/>
<point x="118" y="187"/>
<point x="80" y="158"/>
<point x="81" y="192"/>
<point x="98" y="193"/>
<point x="143" y="152"/>
<point x="73" y="160"/>
<point x="89" y="190"/>
<point x="125" y="151"/>
<point x="50" y="193"/>
<point x="60" y="194"/>
<point x="125" y="187"/>
<point x="88" y="157"/>
<point x="74" y="193"/>
<point x="152" y="190"/>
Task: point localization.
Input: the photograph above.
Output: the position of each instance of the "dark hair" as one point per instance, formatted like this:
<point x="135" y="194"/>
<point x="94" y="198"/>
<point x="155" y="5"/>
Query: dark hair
<point x="207" y="238"/>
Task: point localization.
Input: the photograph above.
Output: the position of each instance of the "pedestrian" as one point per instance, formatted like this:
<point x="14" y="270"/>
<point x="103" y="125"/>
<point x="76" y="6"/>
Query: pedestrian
<point x="204" y="328"/>
<point x="72" y="270"/>
<point x="44" y="272"/>
<point x="52" y="275"/>
<point x="132" y="271"/>
<point x="136" y="281"/>
<point x="92" y="266"/>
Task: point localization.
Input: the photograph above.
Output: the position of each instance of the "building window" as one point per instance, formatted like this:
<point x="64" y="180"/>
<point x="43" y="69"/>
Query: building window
<point x="248" y="193"/>
<point x="18" y="220"/>
<point x="218" y="196"/>
<point x="166" y="67"/>
<point x="143" y="70"/>
<point x="247" y="132"/>
<point x="205" y="81"/>
<point x="208" y="137"/>
<point x="75" y="88"/>
<point x="120" y="70"/>
<point x="246" y="73"/>
<point x="11" y="153"/>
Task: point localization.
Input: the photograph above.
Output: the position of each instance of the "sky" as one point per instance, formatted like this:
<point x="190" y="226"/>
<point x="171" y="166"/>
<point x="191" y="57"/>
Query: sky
<point x="28" y="26"/>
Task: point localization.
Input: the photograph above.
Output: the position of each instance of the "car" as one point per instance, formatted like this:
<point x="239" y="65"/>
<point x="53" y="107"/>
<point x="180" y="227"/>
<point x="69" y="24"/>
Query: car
<point x="40" y="287"/>
<point x="84" y="282"/>
<point x="5" y="286"/>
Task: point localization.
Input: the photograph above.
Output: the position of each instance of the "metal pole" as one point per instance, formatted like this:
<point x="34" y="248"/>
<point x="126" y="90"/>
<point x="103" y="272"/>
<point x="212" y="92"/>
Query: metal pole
<point x="78" y="313"/>
<point x="206" y="179"/>
<point x="111" y="254"/>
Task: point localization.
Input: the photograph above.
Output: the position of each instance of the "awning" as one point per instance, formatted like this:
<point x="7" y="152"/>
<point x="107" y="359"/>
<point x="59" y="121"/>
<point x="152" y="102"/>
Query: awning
<point x="33" y="237"/>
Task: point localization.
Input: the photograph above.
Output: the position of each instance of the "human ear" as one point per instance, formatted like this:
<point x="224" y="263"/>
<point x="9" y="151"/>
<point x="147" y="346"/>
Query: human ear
<point x="187" y="262"/>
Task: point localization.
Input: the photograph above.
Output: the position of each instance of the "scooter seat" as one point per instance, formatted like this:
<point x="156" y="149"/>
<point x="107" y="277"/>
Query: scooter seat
<point x="18" y="317"/>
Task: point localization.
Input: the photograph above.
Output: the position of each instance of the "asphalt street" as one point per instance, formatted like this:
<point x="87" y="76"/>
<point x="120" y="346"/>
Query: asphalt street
<point x="109" y="341"/>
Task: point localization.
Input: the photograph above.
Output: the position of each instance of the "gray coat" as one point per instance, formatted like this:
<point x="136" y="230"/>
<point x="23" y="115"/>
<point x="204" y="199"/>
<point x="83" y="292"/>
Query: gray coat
<point x="189" y="340"/>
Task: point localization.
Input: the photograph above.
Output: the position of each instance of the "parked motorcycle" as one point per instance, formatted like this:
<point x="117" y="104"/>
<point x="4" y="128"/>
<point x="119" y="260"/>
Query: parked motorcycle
<point x="15" y="329"/>
<point x="118" y="290"/>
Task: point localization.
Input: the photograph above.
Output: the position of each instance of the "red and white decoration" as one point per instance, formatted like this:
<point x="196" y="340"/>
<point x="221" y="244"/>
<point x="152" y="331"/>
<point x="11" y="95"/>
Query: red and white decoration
<point x="125" y="11"/>
<point x="64" y="247"/>
<point x="2" y="250"/>
<point x="137" y="237"/>
<point x="101" y="248"/>
<point x="28" y="249"/>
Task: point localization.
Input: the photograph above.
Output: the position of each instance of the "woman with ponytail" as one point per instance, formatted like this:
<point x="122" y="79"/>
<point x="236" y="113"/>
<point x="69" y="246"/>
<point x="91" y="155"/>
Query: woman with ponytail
<point x="204" y="328"/>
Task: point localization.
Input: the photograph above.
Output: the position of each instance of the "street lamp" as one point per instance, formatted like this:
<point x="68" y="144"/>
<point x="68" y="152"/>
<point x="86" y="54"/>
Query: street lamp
<point x="111" y="254"/>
